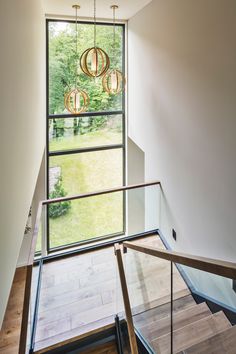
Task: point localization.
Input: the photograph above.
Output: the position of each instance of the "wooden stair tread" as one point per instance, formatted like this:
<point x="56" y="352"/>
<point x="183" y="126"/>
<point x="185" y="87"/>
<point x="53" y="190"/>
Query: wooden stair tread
<point x="156" y="329"/>
<point x="192" y="334"/>
<point x="159" y="302"/>
<point x="223" y="342"/>
<point x="107" y="348"/>
<point x="163" y="310"/>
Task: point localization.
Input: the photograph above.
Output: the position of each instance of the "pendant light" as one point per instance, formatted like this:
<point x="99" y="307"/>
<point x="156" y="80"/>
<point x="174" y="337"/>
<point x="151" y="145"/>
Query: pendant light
<point x="94" y="62"/>
<point x="76" y="100"/>
<point x="114" y="81"/>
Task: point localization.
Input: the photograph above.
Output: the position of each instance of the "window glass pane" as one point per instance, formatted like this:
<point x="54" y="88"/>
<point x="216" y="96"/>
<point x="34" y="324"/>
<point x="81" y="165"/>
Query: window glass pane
<point x="85" y="219"/>
<point x="62" y="66"/>
<point x="85" y="172"/>
<point x="75" y="133"/>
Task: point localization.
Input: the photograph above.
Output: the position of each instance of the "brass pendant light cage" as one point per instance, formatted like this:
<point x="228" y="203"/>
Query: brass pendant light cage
<point x="76" y="101"/>
<point x="94" y="61"/>
<point x="114" y="81"/>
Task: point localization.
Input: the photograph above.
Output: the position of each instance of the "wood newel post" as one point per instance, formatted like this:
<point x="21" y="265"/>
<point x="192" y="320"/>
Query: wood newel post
<point x="130" y="325"/>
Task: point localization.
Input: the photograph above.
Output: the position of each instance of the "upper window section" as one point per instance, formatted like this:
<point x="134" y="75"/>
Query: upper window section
<point x="62" y="64"/>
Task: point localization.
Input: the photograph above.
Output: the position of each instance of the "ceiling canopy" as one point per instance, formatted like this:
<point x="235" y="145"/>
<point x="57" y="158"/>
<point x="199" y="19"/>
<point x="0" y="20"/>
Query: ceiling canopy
<point x="127" y="8"/>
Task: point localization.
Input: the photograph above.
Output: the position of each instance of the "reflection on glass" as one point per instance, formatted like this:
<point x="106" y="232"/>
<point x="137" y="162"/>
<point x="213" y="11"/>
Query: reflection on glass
<point x="75" y="133"/>
<point x="148" y="280"/>
<point x="215" y="287"/>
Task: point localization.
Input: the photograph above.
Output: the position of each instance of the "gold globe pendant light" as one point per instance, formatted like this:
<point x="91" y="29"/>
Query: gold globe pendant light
<point x="76" y="100"/>
<point x="113" y="81"/>
<point x="94" y="61"/>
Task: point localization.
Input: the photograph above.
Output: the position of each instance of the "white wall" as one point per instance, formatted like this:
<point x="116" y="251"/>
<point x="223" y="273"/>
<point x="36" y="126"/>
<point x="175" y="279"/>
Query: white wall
<point x="135" y="197"/>
<point x="182" y="114"/>
<point x="22" y="116"/>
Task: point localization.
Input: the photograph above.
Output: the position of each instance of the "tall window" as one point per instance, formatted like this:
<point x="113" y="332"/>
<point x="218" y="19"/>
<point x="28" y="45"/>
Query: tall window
<point x="85" y="152"/>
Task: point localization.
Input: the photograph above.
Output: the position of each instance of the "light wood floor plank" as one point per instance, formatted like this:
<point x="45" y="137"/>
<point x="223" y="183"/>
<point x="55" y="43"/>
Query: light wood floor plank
<point x="84" y="289"/>
<point x="11" y="328"/>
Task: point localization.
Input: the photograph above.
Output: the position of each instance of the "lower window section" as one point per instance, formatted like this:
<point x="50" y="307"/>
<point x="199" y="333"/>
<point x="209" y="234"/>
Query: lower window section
<point x="85" y="172"/>
<point x="86" y="219"/>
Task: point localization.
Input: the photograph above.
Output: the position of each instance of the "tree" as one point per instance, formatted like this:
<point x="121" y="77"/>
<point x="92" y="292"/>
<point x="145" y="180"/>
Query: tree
<point x="62" y="67"/>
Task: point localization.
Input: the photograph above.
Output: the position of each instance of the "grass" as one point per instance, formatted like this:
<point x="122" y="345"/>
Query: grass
<point x="87" y="140"/>
<point x="81" y="173"/>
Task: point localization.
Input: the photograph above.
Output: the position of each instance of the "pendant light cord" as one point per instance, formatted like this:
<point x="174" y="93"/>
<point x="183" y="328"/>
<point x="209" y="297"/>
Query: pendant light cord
<point x="95" y="25"/>
<point x="114" y="29"/>
<point x="76" y="47"/>
<point x="114" y="8"/>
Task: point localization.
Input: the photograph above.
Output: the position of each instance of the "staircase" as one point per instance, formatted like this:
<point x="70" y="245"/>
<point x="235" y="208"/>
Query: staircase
<point x="192" y="328"/>
<point x="196" y="329"/>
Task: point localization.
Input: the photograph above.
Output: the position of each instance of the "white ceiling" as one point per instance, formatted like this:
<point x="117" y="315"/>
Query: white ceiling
<point x="127" y="8"/>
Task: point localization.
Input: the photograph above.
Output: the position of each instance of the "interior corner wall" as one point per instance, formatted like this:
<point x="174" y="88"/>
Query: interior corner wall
<point x="22" y="133"/>
<point x="182" y="105"/>
<point x="135" y="197"/>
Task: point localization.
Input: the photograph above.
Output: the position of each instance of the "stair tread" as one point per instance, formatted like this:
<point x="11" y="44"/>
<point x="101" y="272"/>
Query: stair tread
<point x="163" y="310"/>
<point x="136" y="310"/>
<point x="223" y="342"/>
<point x="155" y="329"/>
<point x="192" y="334"/>
<point x="107" y="348"/>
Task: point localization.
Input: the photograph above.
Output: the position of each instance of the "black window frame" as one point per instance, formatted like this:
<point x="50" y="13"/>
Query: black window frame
<point x="122" y="146"/>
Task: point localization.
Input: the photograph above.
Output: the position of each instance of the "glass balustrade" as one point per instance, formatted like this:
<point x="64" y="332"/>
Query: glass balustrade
<point x="73" y="291"/>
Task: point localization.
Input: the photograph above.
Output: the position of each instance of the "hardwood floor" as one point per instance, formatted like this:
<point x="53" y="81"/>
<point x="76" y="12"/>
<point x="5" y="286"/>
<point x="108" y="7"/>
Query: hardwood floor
<point x="83" y="292"/>
<point x="11" y="328"/>
<point x="109" y="348"/>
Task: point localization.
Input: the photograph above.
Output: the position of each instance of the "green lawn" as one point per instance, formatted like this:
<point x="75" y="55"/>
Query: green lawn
<point x="98" y="138"/>
<point x="81" y="173"/>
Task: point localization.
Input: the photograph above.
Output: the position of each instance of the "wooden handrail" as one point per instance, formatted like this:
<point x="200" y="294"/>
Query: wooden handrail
<point x="106" y="191"/>
<point x="214" y="266"/>
<point x="130" y="325"/>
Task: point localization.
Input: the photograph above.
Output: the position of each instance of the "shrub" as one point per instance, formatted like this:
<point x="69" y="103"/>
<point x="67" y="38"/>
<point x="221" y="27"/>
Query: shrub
<point x="58" y="209"/>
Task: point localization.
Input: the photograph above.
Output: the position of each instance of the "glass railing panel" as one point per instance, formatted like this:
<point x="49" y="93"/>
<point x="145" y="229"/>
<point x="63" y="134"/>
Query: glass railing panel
<point x="41" y="232"/>
<point x="36" y="251"/>
<point x="143" y="209"/>
<point x="84" y="289"/>
<point x="33" y="279"/>
<point x="200" y="314"/>
<point x="78" y="295"/>
<point x="216" y="288"/>
<point x="115" y="214"/>
<point x="32" y="321"/>
<point x="149" y="287"/>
